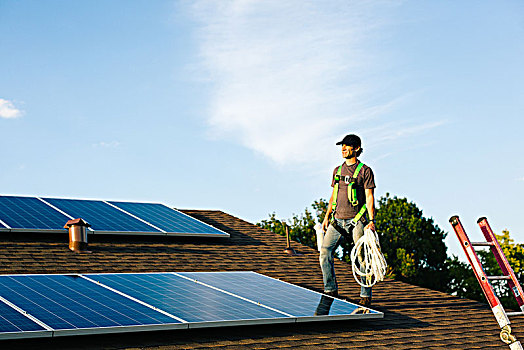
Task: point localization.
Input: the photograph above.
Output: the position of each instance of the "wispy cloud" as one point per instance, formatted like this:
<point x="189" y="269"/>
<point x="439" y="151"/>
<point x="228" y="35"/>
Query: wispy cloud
<point x="290" y="77"/>
<point x="392" y="131"/>
<point x="104" y="144"/>
<point x="8" y="110"/>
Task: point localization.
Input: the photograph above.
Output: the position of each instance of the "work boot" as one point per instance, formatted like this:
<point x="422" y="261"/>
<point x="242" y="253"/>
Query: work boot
<point x="365" y="301"/>
<point x="333" y="293"/>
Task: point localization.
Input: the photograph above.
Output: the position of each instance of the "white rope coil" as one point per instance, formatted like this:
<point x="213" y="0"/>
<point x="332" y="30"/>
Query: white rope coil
<point x="367" y="261"/>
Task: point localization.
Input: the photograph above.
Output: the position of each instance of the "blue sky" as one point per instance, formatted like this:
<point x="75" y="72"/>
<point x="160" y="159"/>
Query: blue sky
<point x="237" y="105"/>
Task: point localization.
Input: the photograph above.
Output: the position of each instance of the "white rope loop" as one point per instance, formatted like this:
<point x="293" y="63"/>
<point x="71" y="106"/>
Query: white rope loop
<point x="367" y="261"/>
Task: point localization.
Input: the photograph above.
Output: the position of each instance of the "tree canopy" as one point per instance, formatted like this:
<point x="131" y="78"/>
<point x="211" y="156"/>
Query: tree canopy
<point x="301" y="227"/>
<point x="412" y="244"/>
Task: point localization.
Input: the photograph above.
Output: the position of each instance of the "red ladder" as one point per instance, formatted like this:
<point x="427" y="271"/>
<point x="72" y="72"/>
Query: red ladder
<point x="498" y="310"/>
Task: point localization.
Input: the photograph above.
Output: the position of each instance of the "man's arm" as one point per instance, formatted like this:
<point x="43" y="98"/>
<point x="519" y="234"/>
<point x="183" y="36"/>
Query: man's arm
<point x="325" y="223"/>
<point x="370" y="205"/>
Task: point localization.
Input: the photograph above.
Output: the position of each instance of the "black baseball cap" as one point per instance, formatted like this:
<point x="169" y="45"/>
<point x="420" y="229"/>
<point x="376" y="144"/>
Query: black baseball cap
<point x="350" y="140"/>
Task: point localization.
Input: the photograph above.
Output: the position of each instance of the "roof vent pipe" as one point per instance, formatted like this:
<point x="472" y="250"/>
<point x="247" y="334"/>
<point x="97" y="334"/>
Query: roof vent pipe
<point x="289" y="250"/>
<point x="77" y="235"/>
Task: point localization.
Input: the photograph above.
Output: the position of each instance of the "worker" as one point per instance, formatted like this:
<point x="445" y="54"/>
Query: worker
<point x="352" y="198"/>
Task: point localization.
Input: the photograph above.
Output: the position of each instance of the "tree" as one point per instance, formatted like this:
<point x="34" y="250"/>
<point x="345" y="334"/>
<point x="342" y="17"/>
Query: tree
<point x="301" y="227"/>
<point x="412" y="244"/>
<point x="463" y="282"/>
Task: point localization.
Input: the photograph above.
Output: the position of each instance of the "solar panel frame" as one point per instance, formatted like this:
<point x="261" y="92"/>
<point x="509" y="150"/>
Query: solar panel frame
<point x="119" y="329"/>
<point x="4" y="227"/>
<point x="214" y="232"/>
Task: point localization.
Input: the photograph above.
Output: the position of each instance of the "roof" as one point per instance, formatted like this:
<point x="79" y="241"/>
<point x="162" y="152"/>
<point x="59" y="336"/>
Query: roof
<point x="414" y="317"/>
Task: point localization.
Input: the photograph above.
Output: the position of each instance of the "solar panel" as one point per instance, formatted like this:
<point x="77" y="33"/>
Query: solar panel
<point x="13" y="324"/>
<point x="101" y="216"/>
<point x="268" y="291"/>
<point x="33" y="214"/>
<point x="44" y="305"/>
<point x="72" y="304"/>
<point x="190" y="301"/>
<point x="29" y="213"/>
<point x="167" y="219"/>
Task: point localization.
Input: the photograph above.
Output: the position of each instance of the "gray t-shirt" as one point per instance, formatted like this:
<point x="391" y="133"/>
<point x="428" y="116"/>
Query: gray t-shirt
<point x="365" y="180"/>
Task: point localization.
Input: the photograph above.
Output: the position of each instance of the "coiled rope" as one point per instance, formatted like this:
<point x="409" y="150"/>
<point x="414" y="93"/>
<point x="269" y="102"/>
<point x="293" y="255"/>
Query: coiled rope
<point x="367" y="261"/>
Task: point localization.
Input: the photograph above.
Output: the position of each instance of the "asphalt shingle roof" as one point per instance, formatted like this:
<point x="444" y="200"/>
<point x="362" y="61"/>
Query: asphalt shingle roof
<point x="414" y="317"/>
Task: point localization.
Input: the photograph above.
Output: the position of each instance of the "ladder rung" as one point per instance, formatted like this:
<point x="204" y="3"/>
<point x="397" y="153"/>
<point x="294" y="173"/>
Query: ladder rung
<point x="482" y="244"/>
<point x="515" y="313"/>
<point x="499" y="277"/>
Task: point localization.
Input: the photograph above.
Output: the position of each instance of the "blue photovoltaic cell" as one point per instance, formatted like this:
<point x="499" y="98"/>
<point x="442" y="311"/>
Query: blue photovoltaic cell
<point x="167" y="219"/>
<point x="30" y="213"/>
<point x="100" y="215"/>
<point x="274" y="293"/>
<point x="13" y="321"/>
<point x="186" y="299"/>
<point x="72" y="302"/>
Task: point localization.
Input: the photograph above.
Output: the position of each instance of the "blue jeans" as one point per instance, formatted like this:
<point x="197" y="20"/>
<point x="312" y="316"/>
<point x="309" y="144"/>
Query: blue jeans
<point x="327" y="253"/>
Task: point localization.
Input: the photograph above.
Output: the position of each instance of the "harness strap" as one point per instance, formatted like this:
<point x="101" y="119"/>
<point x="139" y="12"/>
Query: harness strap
<point x="335" y="190"/>
<point x="360" y="213"/>
<point x="352" y="192"/>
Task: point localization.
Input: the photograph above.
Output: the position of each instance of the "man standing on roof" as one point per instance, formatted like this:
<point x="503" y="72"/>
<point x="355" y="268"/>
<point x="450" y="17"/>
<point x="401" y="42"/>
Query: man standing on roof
<point x="352" y="198"/>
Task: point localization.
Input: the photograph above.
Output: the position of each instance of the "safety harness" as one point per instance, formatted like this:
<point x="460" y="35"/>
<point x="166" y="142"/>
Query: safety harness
<point x="368" y="262"/>
<point x="352" y="193"/>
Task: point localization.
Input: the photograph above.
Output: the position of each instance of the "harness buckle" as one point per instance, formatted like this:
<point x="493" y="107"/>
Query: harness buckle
<point x="346" y="179"/>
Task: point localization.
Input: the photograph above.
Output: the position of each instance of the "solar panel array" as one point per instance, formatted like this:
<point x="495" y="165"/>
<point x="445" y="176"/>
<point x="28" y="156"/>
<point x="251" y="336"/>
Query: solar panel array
<point x="108" y="217"/>
<point x="56" y="305"/>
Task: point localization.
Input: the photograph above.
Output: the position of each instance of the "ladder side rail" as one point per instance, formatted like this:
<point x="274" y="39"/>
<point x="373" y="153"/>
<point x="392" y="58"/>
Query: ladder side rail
<point x="513" y="282"/>
<point x="480" y="274"/>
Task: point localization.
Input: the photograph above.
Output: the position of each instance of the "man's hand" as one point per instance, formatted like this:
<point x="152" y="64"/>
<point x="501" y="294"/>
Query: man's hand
<point x="370" y="226"/>
<point x="325" y="223"/>
<point x="370" y="205"/>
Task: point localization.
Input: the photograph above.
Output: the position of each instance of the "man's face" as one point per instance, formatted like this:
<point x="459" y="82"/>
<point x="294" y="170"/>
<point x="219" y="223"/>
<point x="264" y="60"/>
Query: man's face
<point x="347" y="151"/>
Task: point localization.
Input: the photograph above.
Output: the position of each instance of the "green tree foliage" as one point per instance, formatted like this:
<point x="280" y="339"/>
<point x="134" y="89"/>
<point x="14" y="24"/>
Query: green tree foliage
<point x="301" y="227"/>
<point x="412" y="244"/>
<point x="464" y="283"/>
